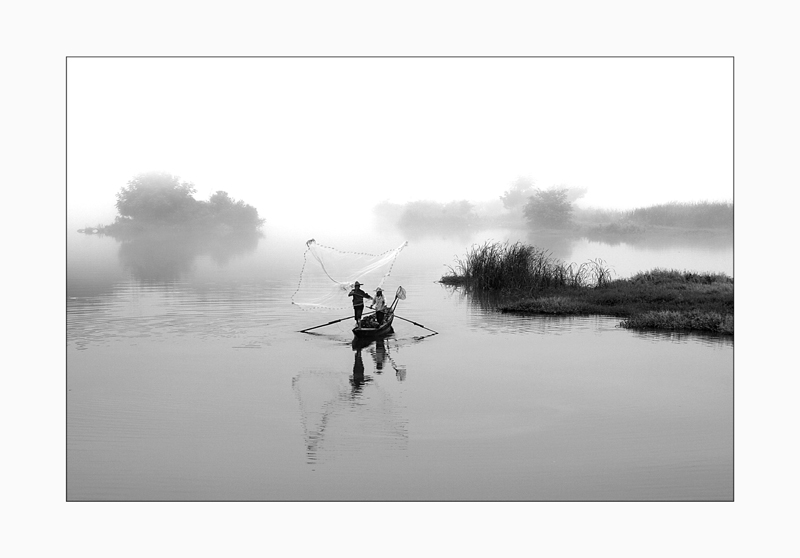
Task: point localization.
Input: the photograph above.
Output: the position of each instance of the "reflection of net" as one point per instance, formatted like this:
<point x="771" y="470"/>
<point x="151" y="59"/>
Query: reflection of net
<point x="328" y="275"/>
<point x="340" y="417"/>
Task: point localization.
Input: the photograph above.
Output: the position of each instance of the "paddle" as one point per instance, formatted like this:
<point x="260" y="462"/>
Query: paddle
<point x="415" y="323"/>
<point x="401" y="294"/>
<point x="323" y="325"/>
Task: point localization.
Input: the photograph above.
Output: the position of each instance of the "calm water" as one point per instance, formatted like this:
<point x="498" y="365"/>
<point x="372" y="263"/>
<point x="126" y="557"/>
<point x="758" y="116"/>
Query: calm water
<point x="187" y="380"/>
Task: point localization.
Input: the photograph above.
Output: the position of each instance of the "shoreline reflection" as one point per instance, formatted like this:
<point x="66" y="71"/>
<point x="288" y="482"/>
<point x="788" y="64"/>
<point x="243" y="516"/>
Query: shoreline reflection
<point x="162" y="257"/>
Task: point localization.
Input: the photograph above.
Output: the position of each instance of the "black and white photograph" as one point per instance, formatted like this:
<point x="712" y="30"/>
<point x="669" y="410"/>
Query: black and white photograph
<point x="420" y="279"/>
<point x="400" y="279"/>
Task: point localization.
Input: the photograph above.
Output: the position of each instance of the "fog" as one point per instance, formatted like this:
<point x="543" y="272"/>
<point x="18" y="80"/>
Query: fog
<point x="316" y="144"/>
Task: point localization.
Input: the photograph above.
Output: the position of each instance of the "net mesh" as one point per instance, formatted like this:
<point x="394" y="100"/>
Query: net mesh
<point x="328" y="275"/>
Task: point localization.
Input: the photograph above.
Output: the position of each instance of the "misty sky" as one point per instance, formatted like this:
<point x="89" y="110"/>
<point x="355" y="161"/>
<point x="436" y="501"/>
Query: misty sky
<point x="316" y="142"/>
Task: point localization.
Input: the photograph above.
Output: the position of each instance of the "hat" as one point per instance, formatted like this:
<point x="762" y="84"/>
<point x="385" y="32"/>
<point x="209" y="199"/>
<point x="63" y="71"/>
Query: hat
<point x="358" y="284"/>
<point x="378" y="290"/>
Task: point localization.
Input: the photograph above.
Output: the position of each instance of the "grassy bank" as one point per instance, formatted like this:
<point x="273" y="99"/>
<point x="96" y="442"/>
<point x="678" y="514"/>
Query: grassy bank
<point x="539" y="284"/>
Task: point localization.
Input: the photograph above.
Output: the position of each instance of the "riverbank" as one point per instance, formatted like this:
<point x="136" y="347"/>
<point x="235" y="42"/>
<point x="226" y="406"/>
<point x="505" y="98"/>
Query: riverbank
<point x="657" y="299"/>
<point x="540" y="284"/>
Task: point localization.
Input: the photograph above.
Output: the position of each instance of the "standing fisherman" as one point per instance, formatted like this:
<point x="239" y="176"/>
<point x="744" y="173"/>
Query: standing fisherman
<point x="380" y="305"/>
<point x="358" y="302"/>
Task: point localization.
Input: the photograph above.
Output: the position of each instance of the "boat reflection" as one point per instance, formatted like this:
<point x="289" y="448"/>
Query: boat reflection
<point x="344" y="413"/>
<point x="380" y="354"/>
<point x="358" y="379"/>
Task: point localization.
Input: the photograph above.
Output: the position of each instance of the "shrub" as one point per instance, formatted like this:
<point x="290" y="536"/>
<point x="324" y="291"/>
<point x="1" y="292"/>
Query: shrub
<point x="549" y="208"/>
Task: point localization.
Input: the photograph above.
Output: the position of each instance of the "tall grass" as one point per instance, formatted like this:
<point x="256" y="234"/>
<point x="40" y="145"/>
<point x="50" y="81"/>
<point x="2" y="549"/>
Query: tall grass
<point x="500" y="266"/>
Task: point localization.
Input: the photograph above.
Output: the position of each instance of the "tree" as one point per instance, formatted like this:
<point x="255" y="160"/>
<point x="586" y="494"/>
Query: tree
<point x="154" y="199"/>
<point x="573" y="193"/>
<point x="515" y="197"/>
<point x="549" y="208"/>
<point x="237" y="214"/>
<point x="157" y="197"/>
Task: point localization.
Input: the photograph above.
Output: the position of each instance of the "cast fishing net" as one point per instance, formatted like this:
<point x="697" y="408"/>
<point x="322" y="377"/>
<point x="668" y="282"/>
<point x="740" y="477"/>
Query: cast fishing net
<point x="329" y="274"/>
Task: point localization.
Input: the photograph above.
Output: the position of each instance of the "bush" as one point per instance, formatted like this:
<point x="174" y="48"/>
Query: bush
<point x="549" y="209"/>
<point x="157" y="197"/>
<point x="516" y="197"/>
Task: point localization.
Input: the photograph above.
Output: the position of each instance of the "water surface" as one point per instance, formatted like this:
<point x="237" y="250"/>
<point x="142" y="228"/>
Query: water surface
<point x="187" y="380"/>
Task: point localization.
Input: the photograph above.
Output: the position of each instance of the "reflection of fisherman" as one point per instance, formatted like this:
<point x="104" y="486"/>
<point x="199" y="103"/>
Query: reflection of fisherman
<point x="358" y="302"/>
<point x="358" y="379"/>
<point x="380" y="354"/>
<point x="380" y="305"/>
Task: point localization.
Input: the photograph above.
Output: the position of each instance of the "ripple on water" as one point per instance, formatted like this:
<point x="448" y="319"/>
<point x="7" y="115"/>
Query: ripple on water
<point x="135" y="310"/>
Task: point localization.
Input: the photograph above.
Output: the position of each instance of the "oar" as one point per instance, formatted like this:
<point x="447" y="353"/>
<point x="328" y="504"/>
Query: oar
<point x="401" y="294"/>
<point x="323" y="325"/>
<point x="333" y="322"/>
<point x="415" y="323"/>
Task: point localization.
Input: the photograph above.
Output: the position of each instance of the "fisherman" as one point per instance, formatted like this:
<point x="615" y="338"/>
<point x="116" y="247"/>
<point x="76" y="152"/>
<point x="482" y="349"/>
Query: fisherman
<point x="380" y="305"/>
<point x="358" y="302"/>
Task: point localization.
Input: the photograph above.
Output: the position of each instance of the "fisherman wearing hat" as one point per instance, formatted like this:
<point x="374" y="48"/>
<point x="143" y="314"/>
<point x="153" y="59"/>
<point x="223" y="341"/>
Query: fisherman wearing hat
<point x="358" y="302"/>
<point x="380" y="305"/>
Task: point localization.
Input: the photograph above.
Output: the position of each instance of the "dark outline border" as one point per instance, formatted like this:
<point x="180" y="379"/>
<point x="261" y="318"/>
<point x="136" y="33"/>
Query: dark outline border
<point x="66" y="251"/>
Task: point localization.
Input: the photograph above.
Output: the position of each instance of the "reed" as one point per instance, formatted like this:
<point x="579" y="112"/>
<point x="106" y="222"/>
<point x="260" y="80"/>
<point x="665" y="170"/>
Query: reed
<point x="496" y="266"/>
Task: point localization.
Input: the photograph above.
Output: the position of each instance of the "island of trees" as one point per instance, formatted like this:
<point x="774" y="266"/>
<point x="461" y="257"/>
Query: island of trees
<point x="160" y="202"/>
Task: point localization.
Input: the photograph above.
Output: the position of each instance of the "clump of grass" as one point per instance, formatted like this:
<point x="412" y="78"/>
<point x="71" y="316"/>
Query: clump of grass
<point x="662" y="276"/>
<point x="505" y="266"/>
<point x="559" y="305"/>
<point x="656" y="299"/>
<point x="676" y="320"/>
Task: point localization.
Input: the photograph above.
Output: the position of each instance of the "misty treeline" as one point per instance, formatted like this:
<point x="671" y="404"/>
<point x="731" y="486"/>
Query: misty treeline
<point x="554" y="209"/>
<point x="158" y="200"/>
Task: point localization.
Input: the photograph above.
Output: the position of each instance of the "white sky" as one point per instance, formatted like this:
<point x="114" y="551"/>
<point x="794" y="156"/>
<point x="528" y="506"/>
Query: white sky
<point x="313" y="141"/>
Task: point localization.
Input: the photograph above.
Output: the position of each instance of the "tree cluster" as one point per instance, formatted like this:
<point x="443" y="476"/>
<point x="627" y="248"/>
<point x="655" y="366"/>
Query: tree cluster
<point x="515" y="198"/>
<point x="549" y="208"/>
<point x="158" y="198"/>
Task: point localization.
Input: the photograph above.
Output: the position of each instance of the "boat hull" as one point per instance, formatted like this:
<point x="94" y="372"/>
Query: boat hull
<point x="368" y="332"/>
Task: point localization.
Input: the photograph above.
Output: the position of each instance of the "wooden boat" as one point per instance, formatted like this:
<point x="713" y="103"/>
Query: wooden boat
<point x="364" y="331"/>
